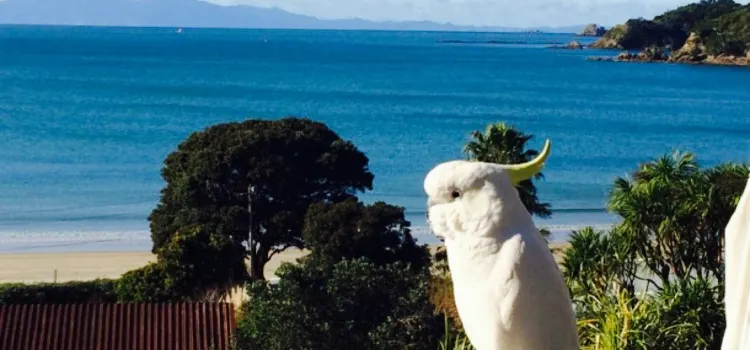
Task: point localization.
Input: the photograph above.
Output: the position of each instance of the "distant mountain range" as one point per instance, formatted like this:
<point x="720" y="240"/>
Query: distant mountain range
<point x="195" y="13"/>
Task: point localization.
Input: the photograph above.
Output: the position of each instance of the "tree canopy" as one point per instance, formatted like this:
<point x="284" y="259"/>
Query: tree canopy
<point x="504" y="144"/>
<point x="351" y="229"/>
<point x="290" y="163"/>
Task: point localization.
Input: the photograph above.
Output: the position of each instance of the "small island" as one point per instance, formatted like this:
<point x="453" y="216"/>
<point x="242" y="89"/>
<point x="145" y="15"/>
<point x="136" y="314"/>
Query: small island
<point x="707" y="32"/>
<point x="593" y="30"/>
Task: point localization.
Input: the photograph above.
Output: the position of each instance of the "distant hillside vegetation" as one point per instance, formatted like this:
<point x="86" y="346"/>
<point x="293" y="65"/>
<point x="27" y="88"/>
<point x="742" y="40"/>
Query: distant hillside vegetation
<point x="696" y="32"/>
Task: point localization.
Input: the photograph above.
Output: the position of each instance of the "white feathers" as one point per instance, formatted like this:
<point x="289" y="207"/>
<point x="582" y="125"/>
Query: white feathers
<point x="737" y="270"/>
<point x="509" y="292"/>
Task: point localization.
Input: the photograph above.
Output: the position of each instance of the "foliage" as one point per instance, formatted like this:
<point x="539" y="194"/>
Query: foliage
<point x="290" y="163"/>
<point x="208" y="263"/>
<point x="686" y="315"/>
<point x="194" y="265"/>
<point x="722" y="24"/>
<point x="599" y="263"/>
<point x="355" y="304"/>
<point x="671" y="237"/>
<point x="96" y="291"/>
<point x="642" y="33"/>
<point x="364" y="285"/>
<point x="616" y="322"/>
<point x="454" y="338"/>
<point x="675" y="214"/>
<point x="504" y="144"/>
<point x="729" y="34"/>
<point x="151" y="283"/>
<point x="351" y="229"/>
<point x="694" y="311"/>
<point x="695" y="17"/>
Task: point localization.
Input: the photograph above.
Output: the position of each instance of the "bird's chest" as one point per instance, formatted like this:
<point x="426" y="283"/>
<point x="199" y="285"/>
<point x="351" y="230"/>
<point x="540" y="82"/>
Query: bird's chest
<point x="481" y="285"/>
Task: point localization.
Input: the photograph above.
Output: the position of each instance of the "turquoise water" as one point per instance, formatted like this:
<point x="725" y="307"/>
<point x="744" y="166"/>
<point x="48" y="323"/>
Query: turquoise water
<point x="88" y="114"/>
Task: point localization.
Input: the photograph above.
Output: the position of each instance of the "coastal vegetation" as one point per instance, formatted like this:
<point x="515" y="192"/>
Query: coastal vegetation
<point x="655" y="281"/>
<point x="237" y="193"/>
<point x="709" y="31"/>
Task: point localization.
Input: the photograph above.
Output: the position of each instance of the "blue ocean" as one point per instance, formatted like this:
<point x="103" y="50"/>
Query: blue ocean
<point x="87" y="115"/>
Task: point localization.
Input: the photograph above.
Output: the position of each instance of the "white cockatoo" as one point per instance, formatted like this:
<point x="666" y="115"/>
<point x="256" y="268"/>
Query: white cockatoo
<point x="509" y="292"/>
<point x="737" y="276"/>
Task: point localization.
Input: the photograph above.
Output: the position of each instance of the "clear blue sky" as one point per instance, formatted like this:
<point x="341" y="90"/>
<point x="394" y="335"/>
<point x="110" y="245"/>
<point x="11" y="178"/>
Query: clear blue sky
<point x="512" y="13"/>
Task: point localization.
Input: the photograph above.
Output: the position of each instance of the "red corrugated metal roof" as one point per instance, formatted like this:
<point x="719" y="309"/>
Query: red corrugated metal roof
<point x="181" y="326"/>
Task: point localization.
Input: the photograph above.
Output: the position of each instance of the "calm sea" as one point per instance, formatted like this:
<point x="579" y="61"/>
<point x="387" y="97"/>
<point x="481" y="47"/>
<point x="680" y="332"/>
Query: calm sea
<point x="88" y="114"/>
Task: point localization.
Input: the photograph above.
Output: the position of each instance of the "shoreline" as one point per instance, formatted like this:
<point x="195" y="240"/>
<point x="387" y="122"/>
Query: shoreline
<point x="23" y="267"/>
<point x="640" y="57"/>
<point x="93" y="237"/>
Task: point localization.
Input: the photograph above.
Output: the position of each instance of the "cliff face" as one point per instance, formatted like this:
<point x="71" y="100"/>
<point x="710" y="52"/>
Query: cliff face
<point x="694" y="50"/>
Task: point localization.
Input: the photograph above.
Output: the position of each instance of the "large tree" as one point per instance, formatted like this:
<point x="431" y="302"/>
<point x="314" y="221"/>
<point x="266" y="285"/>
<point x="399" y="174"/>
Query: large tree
<point x="504" y="144"/>
<point x="278" y="168"/>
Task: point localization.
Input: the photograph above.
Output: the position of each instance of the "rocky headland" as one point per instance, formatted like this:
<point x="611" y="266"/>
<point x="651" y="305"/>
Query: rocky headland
<point x="708" y="32"/>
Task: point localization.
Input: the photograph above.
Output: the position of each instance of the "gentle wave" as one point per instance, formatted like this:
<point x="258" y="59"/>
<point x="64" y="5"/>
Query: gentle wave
<point x="83" y="236"/>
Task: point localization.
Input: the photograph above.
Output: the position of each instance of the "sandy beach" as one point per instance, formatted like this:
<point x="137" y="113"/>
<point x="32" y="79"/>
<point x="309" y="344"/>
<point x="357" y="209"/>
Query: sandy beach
<point x="40" y="267"/>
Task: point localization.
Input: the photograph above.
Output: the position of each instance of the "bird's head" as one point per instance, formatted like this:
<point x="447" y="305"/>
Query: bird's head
<point x="469" y="199"/>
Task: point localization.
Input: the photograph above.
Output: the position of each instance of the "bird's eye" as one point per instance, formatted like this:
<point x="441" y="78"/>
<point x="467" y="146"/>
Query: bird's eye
<point x="455" y="194"/>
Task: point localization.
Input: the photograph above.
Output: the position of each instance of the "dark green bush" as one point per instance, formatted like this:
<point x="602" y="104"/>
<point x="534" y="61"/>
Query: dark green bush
<point x="350" y="229"/>
<point x="96" y="291"/>
<point x="193" y="265"/>
<point x="150" y="283"/>
<point x="354" y="304"/>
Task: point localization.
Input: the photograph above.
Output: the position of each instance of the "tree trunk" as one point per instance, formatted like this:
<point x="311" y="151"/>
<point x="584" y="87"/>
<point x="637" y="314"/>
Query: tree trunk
<point x="258" y="260"/>
<point x="256" y="268"/>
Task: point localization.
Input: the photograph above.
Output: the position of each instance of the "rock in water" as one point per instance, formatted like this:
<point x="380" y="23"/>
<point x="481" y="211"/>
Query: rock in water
<point x="573" y="45"/>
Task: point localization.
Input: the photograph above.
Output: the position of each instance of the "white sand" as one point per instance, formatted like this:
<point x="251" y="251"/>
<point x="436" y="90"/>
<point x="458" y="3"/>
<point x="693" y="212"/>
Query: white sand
<point x="40" y="267"/>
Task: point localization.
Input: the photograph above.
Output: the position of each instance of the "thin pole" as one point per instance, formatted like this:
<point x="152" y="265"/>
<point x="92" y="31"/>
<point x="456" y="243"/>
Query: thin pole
<point x="250" y="243"/>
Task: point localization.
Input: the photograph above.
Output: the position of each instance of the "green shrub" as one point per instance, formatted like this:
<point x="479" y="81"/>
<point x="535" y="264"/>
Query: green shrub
<point x="691" y="315"/>
<point x="193" y="265"/>
<point x="150" y="283"/>
<point x="354" y="304"/>
<point x="671" y="239"/>
<point x="96" y="291"/>
<point x="686" y="315"/>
